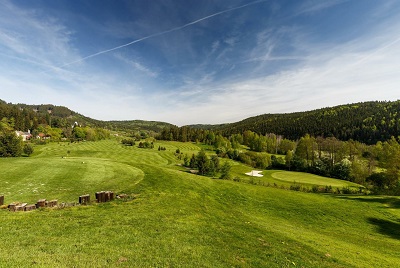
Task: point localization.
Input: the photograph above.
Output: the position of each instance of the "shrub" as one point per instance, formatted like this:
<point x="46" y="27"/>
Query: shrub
<point x="128" y="142"/>
<point x="237" y="179"/>
<point x="346" y="190"/>
<point x="328" y="189"/>
<point x="295" y="187"/>
<point x="315" y="189"/>
<point x="28" y="149"/>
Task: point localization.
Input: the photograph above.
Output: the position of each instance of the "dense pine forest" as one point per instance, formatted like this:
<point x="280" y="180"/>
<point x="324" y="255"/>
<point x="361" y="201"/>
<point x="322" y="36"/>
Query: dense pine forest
<point x="367" y="122"/>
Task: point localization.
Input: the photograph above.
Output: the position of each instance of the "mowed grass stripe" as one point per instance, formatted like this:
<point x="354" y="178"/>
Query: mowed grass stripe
<point x="108" y="149"/>
<point x="64" y="179"/>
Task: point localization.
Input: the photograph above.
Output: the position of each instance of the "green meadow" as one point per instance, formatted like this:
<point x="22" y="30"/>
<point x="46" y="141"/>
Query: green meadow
<point x="177" y="219"/>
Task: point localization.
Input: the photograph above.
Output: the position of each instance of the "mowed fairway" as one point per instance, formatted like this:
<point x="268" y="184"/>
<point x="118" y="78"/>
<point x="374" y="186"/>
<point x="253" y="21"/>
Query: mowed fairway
<point x="181" y="220"/>
<point x="311" y="179"/>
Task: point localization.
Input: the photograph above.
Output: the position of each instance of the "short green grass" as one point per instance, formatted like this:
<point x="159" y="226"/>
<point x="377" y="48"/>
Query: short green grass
<point x="310" y="179"/>
<point x="181" y="220"/>
<point x="287" y="178"/>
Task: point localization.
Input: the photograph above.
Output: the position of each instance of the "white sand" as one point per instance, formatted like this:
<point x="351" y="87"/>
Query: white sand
<point x="254" y="173"/>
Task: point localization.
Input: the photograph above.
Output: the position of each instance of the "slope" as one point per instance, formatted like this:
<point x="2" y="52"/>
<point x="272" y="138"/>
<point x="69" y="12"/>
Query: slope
<point x="183" y="220"/>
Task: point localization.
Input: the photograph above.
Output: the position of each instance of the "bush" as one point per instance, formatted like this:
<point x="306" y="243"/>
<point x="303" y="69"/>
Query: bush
<point x="295" y="187"/>
<point x="277" y="162"/>
<point x="237" y="179"/>
<point x="146" y="145"/>
<point x="346" y="190"/>
<point x="315" y="189"/>
<point x="328" y="189"/>
<point x="128" y="142"/>
<point x="28" y="149"/>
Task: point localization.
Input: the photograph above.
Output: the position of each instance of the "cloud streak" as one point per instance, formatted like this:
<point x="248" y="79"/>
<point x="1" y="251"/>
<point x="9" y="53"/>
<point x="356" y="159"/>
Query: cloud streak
<point x="161" y="33"/>
<point x="258" y="61"/>
<point x="347" y="73"/>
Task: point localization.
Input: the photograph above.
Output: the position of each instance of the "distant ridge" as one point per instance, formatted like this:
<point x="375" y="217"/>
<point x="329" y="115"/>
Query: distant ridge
<point x="60" y="116"/>
<point x="367" y="122"/>
<point x="207" y="126"/>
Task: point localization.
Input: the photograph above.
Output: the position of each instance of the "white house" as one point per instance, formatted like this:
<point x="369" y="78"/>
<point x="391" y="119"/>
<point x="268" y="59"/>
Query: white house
<point x="25" y="135"/>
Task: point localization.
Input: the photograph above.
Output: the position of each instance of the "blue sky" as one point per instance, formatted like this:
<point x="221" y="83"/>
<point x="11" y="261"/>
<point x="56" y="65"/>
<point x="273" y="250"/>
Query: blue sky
<point x="190" y="61"/>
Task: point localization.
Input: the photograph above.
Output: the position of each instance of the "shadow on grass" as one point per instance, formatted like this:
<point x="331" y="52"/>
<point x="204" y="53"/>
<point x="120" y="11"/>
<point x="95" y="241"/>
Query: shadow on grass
<point x="388" y="202"/>
<point x="386" y="227"/>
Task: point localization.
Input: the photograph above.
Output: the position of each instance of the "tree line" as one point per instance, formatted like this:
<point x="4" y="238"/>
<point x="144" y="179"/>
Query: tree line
<point x="367" y="122"/>
<point x="11" y="145"/>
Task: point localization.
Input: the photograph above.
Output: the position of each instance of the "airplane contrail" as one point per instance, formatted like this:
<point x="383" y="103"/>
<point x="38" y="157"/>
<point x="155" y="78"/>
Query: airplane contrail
<point x="162" y="33"/>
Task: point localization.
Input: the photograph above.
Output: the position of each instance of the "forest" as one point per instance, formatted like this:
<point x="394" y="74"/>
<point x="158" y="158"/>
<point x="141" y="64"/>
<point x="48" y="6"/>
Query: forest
<point x="367" y="122"/>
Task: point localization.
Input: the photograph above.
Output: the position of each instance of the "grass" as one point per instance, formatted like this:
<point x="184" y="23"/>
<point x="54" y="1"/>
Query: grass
<point x="287" y="178"/>
<point x="182" y="220"/>
<point x="311" y="179"/>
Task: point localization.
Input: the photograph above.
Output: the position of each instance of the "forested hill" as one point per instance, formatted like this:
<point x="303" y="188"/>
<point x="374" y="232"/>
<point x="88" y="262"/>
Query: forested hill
<point x="26" y="117"/>
<point x="366" y="122"/>
<point x="208" y="127"/>
<point x="137" y="125"/>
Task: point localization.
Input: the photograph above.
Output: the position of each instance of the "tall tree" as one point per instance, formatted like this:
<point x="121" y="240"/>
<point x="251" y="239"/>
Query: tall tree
<point x="10" y="144"/>
<point x="306" y="149"/>
<point x="202" y="162"/>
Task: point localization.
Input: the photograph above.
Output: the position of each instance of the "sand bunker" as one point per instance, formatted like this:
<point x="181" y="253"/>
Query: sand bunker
<point x="254" y="173"/>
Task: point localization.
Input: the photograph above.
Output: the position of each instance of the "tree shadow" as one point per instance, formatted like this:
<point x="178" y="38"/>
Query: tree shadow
<point x="386" y="227"/>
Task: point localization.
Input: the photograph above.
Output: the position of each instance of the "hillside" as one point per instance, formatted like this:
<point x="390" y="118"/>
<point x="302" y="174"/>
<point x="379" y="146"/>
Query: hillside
<point x="367" y="122"/>
<point x="207" y="126"/>
<point x="177" y="219"/>
<point x="30" y="116"/>
<point x="137" y="125"/>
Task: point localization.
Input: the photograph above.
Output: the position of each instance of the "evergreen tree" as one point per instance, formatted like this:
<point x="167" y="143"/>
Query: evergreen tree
<point x="192" y="163"/>
<point x="10" y="144"/>
<point x="225" y="171"/>
<point x="202" y="162"/>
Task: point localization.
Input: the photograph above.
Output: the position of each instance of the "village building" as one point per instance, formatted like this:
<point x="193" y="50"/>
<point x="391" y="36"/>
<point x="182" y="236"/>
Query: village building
<point x="25" y="135"/>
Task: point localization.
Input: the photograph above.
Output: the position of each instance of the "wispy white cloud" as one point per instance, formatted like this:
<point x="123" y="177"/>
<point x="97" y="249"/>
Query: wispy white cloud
<point x="136" y="65"/>
<point x="30" y="47"/>
<point x="363" y="69"/>
<point x="312" y="6"/>
<point x="214" y="47"/>
<point x="27" y="35"/>
<point x="227" y="78"/>
<point x="157" y="34"/>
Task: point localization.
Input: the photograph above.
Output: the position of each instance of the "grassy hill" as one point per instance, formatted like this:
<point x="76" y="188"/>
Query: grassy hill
<point x="177" y="219"/>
